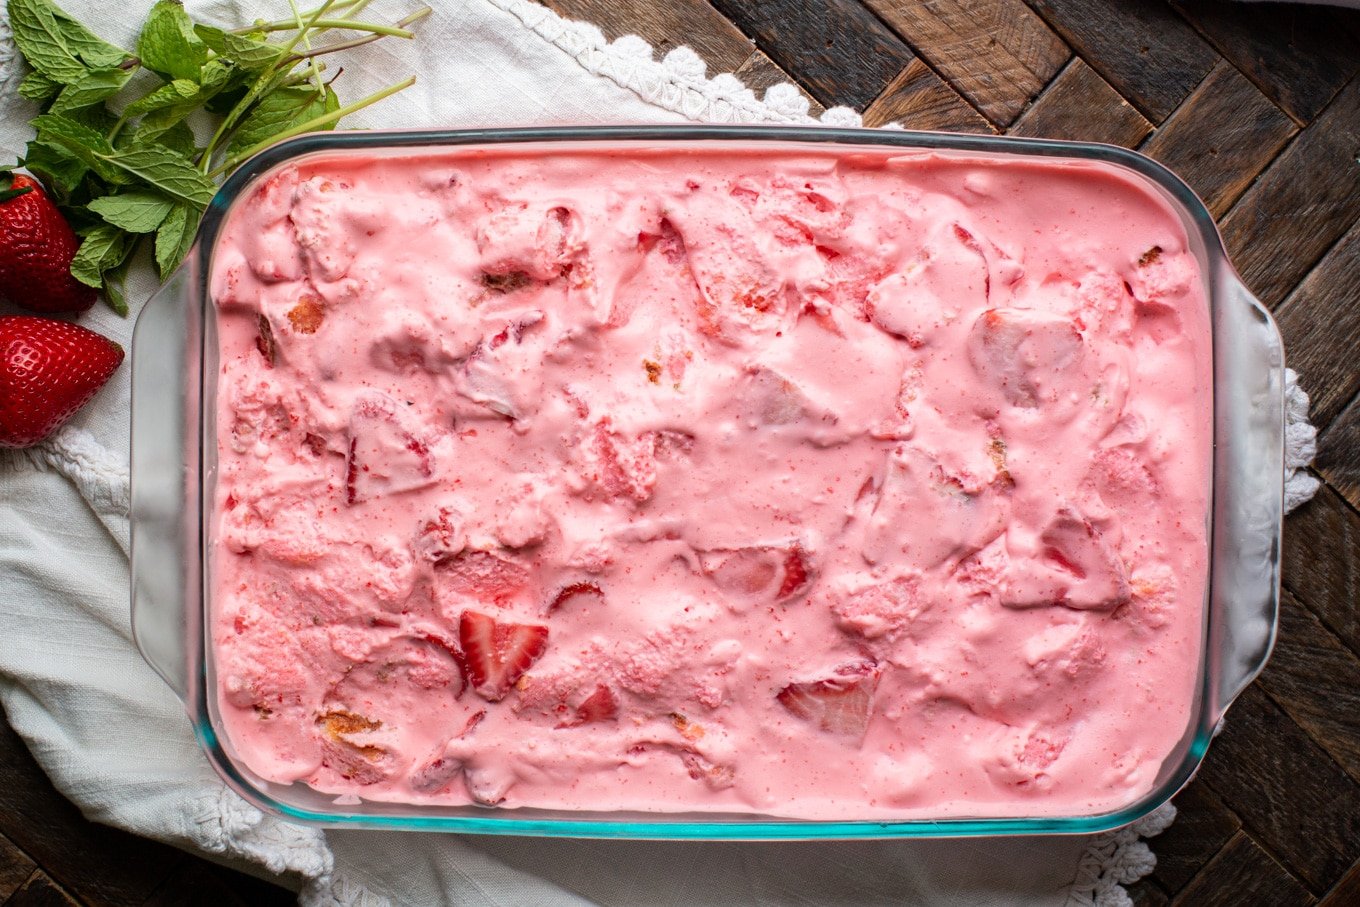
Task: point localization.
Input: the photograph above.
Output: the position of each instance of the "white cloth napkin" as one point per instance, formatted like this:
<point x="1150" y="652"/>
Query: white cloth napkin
<point x="116" y="741"/>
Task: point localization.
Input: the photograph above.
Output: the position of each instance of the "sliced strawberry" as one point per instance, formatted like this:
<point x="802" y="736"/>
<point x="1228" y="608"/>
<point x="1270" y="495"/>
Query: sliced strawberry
<point x="795" y="574"/>
<point x="779" y="573"/>
<point x="621" y="467"/>
<point x="838" y="705"/>
<point x="579" y="594"/>
<point x="386" y="455"/>
<point x="746" y="570"/>
<point x="484" y="576"/>
<point x="1076" y="567"/>
<point x="666" y="241"/>
<point x="599" y="706"/>
<point x="264" y="341"/>
<point x="497" y="653"/>
<point x="441" y="539"/>
<point x="436" y="774"/>
<point x="487" y="376"/>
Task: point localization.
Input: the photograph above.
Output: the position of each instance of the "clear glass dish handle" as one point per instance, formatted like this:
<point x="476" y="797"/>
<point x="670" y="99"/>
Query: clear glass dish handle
<point x="1249" y="503"/>
<point x="165" y="526"/>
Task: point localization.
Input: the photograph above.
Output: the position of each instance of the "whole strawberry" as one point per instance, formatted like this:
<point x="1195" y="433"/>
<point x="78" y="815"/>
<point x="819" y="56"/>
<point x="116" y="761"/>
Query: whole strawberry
<point x="48" y="370"/>
<point x="36" y="248"/>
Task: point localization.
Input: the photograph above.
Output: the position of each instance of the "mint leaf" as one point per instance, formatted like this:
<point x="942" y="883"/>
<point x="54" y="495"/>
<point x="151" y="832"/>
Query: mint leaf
<point x="179" y="91"/>
<point x="168" y="44"/>
<point x="157" y="166"/>
<point x="172" y="102"/>
<point x="38" y="87"/>
<point x="249" y="53"/>
<point x="95" y="117"/>
<point x="91" y="48"/>
<point x="274" y="113"/>
<point x="100" y="245"/>
<point x="103" y="249"/>
<point x="59" y="170"/>
<point x="171" y="173"/>
<point x="179" y="138"/>
<point x="135" y="211"/>
<point x="174" y="238"/>
<point x="94" y="87"/>
<point x="113" y="294"/>
<point x="216" y="76"/>
<point x="39" y="37"/>
<point x="81" y="142"/>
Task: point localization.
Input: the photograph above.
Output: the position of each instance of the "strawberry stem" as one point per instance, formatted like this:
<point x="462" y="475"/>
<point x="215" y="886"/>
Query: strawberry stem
<point x="9" y="192"/>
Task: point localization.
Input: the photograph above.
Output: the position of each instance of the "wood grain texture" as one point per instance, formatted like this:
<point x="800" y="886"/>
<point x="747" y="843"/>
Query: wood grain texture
<point x="1302" y="204"/>
<point x="1146" y="51"/>
<point x="1241" y="874"/>
<point x="1316" y="680"/>
<point x="759" y="72"/>
<point x="1203" y="825"/>
<point x="1320" y="322"/>
<point x="917" y="99"/>
<point x="837" y="49"/>
<point x="1147" y="893"/>
<point x="194" y="880"/>
<point x="1296" y="54"/>
<point x="1224" y="134"/>
<point x="99" y="864"/>
<point x="1339" y="454"/>
<point x="666" y="26"/>
<point x="1321" y="564"/>
<point x="41" y="891"/>
<point x="15" y="867"/>
<point x="998" y="55"/>
<point x="1292" y="797"/>
<point x="1345" y="893"/>
<point x="1080" y="105"/>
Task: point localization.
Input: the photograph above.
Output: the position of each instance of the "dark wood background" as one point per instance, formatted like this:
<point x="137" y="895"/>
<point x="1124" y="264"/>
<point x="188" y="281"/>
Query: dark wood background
<point x="1258" y="107"/>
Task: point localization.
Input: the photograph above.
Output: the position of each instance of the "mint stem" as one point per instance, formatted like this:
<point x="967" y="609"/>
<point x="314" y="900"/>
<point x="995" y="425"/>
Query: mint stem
<point x="347" y="25"/>
<point x="359" y="42"/>
<point x="262" y="25"/>
<point x="268" y="80"/>
<point x="313" y="124"/>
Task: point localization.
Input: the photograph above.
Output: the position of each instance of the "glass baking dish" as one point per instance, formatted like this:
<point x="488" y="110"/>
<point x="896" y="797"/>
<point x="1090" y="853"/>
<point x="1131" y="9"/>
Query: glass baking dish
<point x="173" y="474"/>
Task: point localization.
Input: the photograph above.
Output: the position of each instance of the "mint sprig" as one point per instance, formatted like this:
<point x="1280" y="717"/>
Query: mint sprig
<point x="114" y="148"/>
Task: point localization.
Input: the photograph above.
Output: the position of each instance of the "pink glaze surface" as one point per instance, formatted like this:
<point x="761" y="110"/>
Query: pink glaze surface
<point x="818" y="483"/>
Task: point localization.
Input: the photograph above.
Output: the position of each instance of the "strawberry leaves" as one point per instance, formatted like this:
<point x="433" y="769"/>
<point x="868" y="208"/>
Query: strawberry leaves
<point x="122" y="164"/>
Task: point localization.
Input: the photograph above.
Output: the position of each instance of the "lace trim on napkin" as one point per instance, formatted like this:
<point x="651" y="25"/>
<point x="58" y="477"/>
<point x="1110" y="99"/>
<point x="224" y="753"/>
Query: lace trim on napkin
<point x="678" y="82"/>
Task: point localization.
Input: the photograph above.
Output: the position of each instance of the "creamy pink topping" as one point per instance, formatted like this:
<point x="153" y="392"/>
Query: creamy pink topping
<point x="832" y="484"/>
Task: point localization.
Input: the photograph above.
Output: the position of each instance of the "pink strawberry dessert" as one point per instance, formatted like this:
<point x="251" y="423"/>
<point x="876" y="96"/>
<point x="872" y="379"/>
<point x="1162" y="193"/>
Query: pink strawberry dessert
<point x="784" y="481"/>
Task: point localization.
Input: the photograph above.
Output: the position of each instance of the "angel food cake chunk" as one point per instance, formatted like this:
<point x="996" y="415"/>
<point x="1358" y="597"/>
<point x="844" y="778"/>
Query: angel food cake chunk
<point x="817" y="484"/>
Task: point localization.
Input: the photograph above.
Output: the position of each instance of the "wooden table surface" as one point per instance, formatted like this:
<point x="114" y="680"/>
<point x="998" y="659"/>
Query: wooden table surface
<point x="1258" y="107"/>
